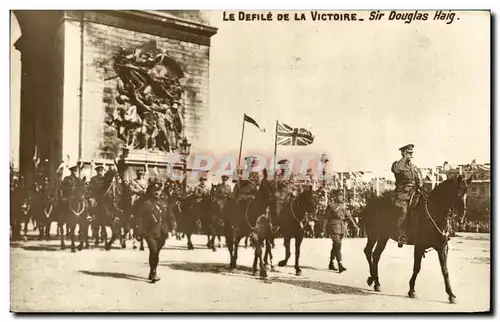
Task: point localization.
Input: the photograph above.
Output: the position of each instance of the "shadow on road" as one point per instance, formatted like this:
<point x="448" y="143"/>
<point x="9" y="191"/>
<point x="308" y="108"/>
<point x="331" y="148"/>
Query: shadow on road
<point x="217" y="268"/>
<point x="321" y="286"/>
<point x="44" y="248"/>
<point x="116" y="275"/>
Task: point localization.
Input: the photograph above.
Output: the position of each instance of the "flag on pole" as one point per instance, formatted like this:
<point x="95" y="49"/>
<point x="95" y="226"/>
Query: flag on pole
<point x="36" y="157"/>
<point x="288" y="135"/>
<point x="248" y="119"/>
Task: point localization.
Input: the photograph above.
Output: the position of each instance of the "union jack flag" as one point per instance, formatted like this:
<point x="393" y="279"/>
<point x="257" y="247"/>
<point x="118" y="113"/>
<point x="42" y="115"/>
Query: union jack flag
<point x="288" y="135"/>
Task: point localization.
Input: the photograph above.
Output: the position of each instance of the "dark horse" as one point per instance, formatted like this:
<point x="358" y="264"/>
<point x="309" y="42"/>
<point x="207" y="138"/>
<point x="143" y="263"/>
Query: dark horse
<point x="74" y="212"/>
<point x="292" y="221"/>
<point x="430" y="226"/>
<point x="245" y="218"/>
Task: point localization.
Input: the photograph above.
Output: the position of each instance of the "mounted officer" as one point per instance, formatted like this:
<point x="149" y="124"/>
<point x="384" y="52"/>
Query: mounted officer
<point x="223" y="192"/>
<point x="154" y="225"/>
<point x="285" y="186"/>
<point x="138" y="187"/>
<point x="246" y="188"/>
<point x="69" y="184"/>
<point x="96" y="184"/>
<point x="407" y="182"/>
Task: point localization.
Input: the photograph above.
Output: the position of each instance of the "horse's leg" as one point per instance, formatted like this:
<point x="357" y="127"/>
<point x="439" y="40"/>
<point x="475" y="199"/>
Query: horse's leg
<point x="376" y="258"/>
<point x="286" y="241"/>
<point x="104" y="233"/>
<point x="298" y="242"/>
<point x="86" y="233"/>
<point x="417" y="262"/>
<point x="230" y="245"/>
<point x="443" y="261"/>
<point x="61" y="234"/>
<point x="124" y="235"/>
<point x="246" y="242"/>
<point x="189" y="243"/>
<point x="25" y="230"/>
<point x="269" y="254"/>
<point x="115" y="233"/>
<point x="236" y="244"/>
<point x="71" y="231"/>
<point x="331" y="265"/>
<point x="41" y="229"/>
<point x="255" y="259"/>
<point x="370" y="243"/>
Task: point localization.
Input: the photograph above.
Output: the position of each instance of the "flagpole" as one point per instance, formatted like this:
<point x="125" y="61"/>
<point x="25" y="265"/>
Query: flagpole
<point x="275" y="147"/>
<point x="241" y="143"/>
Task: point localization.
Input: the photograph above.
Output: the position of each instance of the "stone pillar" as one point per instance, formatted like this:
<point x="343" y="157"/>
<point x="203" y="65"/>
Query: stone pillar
<point x="68" y="85"/>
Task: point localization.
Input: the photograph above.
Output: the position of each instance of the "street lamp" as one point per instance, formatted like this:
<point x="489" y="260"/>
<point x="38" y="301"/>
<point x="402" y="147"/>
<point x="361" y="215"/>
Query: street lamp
<point x="324" y="160"/>
<point x="185" y="146"/>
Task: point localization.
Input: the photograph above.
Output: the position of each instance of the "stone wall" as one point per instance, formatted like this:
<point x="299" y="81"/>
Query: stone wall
<point x="101" y="42"/>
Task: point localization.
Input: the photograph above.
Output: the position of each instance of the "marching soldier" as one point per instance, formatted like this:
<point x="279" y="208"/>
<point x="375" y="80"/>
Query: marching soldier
<point x="337" y="213"/>
<point x="322" y="194"/>
<point x="154" y="224"/>
<point x="407" y="180"/>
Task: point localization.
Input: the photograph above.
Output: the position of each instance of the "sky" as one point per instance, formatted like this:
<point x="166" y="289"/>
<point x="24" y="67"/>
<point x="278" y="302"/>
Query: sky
<point x="363" y="89"/>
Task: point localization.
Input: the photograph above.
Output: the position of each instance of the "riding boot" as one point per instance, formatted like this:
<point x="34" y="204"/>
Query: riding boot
<point x="342" y="268"/>
<point x="402" y="239"/>
<point x="153" y="277"/>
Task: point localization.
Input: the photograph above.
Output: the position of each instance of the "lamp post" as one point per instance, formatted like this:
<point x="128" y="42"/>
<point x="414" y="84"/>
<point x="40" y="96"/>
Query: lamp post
<point x="185" y="146"/>
<point x="324" y="160"/>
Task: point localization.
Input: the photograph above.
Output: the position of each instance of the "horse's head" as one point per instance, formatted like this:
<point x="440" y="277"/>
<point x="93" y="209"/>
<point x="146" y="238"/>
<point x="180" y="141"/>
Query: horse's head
<point x="306" y="199"/>
<point x="460" y="196"/>
<point x="453" y="192"/>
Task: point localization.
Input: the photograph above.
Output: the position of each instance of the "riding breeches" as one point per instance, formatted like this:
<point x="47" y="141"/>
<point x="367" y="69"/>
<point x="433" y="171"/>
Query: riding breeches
<point x="154" y="245"/>
<point x="336" y="252"/>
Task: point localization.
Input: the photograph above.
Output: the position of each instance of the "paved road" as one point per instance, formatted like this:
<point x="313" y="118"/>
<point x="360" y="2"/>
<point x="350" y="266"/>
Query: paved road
<point x="44" y="278"/>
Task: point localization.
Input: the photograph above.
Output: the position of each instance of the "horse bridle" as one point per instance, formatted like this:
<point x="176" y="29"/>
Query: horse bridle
<point x="302" y="226"/>
<point x="78" y="212"/>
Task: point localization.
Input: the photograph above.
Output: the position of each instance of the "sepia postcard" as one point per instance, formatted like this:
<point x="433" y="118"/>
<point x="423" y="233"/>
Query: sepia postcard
<point x="250" y="161"/>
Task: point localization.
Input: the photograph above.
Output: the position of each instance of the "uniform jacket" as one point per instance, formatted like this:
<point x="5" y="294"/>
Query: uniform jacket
<point x="200" y="191"/>
<point x="337" y="213"/>
<point x="223" y="191"/>
<point x="137" y="188"/>
<point x="97" y="186"/>
<point x="154" y="219"/>
<point x="68" y="185"/>
<point x="407" y="178"/>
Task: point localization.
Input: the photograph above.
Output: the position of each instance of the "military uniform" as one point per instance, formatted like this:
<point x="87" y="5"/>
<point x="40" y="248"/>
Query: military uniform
<point x="407" y="180"/>
<point x="97" y="186"/>
<point x="137" y="188"/>
<point x="154" y="224"/>
<point x="246" y="189"/>
<point x="285" y="188"/>
<point x="337" y="214"/>
<point x="223" y="192"/>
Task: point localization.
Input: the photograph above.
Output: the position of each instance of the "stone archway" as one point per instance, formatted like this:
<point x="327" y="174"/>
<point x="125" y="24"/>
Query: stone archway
<point x="15" y="92"/>
<point x="66" y="60"/>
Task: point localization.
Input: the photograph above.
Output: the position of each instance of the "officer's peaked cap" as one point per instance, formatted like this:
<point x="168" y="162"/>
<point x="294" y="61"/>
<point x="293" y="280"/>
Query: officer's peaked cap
<point x="408" y="147"/>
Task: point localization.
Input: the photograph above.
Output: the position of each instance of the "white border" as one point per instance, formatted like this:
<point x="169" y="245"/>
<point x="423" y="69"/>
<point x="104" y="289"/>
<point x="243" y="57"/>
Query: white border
<point x="191" y="4"/>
